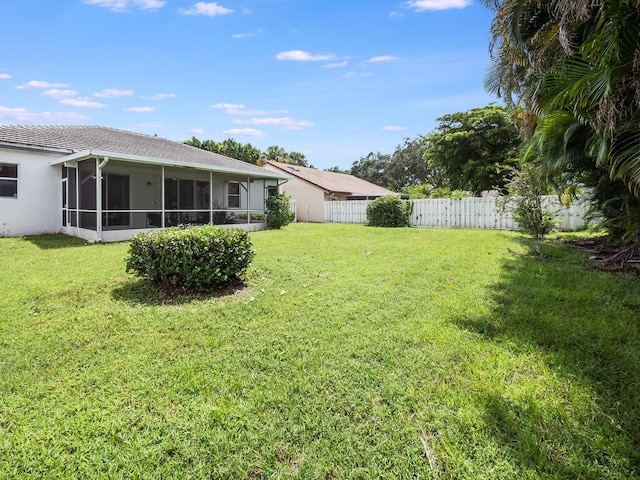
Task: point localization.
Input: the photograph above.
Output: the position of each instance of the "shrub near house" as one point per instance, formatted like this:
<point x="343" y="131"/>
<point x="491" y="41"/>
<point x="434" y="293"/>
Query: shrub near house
<point x="278" y="211"/>
<point x="194" y="258"/>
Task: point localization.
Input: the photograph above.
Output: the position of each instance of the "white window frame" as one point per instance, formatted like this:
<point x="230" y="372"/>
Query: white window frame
<point x="12" y="179"/>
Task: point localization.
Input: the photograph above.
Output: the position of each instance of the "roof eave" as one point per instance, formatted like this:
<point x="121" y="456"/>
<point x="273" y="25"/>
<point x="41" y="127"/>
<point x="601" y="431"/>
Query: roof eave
<point x="84" y="154"/>
<point x="25" y="146"/>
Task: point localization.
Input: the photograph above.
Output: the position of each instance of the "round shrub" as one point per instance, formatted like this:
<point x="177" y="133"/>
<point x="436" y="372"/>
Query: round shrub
<point x="389" y="211"/>
<point x="192" y="258"/>
<point x="278" y="211"/>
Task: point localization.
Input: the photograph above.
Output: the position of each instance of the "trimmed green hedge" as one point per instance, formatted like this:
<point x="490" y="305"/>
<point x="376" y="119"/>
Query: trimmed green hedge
<point x="192" y="258"/>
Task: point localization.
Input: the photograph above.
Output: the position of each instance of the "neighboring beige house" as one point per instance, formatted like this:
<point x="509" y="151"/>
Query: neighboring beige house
<point x="310" y="188"/>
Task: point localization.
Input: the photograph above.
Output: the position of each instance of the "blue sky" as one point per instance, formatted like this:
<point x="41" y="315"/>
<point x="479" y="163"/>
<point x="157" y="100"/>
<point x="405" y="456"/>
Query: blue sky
<point x="334" y="80"/>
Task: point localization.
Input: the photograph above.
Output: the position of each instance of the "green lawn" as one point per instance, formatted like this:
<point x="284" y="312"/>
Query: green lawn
<point x="353" y="352"/>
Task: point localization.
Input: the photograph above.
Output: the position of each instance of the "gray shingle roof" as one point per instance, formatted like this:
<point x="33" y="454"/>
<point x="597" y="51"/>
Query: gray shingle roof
<point x="77" y="138"/>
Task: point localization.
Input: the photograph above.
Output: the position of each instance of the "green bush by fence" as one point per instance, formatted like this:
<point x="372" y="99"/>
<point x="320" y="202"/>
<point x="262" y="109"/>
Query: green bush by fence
<point x="389" y="211"/>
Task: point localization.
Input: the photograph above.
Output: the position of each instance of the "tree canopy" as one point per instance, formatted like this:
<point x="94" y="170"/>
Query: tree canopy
<point x="250" y="154"/>
<point x="276" y="153"/>
<point x="470" y="151"/>
<point x="230" y="148"/>
<point x="404" y="168"/>
<point x="572" y="68"/>
<point x="474" y="150"/>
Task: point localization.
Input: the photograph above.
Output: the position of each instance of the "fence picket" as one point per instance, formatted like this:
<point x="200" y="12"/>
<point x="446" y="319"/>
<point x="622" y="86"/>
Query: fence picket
<point x="473" y="212"/>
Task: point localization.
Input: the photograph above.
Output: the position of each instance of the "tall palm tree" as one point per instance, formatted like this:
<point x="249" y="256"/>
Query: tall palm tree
<point x="573" y="68"/>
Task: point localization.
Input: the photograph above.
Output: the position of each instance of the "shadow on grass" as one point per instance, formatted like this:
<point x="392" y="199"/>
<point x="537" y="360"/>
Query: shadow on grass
<point x="48" y="242"/>
<point x="586" y="327"/>
<point x="146" y="292"/>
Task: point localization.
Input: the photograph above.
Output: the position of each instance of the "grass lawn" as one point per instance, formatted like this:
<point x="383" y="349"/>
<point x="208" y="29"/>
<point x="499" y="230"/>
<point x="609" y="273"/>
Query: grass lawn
<point x="353" y="352"/>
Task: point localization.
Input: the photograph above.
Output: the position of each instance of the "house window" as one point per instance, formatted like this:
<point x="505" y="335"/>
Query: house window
<point x="233" y="195"/>
<point x="272" y="191"/>
<point x="8" y="180"/>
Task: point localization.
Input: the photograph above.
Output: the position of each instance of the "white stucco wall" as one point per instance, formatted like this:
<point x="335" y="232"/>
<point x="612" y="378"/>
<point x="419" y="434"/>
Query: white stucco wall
<point x="38" y="207"/>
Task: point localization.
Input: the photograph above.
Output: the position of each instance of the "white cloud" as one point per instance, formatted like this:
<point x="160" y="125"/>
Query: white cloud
<point x="301" y="56"/>
<point x="395" y="15"/>
<point x="4" y="76"/>
<point x="82" y="103"/>
<point x="423" y="5"/>
<point x="357" y="74"/>
<point x="127" y="5"/>
<point x="381" y="58"/>
<point x="336" y="64"/>
<point x="228" y="106"/>
<point x="41" y="84"/>
<point x="57" y="93"/>
<point x="285" y="122"/>
<point x="243" y="111"/>
<point x="113" y="93"/>
<point x="247" y="35"/>
<point x="160" y="96"/>
<point x="392" y="128"/>
<point x="24" y="115"/>
<point x="244" y="132"/>
<point x="197" y="131"/>
<point x="139" y="109"/>
<point x="208" y="9"/>
<point x="239" y="109"/>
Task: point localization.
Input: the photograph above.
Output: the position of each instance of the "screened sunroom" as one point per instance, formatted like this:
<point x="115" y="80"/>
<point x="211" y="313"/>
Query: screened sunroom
<point x="109" y="197"/>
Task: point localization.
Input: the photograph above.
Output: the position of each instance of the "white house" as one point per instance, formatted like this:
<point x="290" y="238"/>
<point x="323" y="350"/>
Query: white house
<point x="104" y="184"/>
<point x="310" y="188"/>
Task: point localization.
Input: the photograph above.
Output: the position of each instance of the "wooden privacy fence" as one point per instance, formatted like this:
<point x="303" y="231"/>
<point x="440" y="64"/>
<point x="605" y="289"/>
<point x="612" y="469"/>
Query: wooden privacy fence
<point x="473" y="212"/>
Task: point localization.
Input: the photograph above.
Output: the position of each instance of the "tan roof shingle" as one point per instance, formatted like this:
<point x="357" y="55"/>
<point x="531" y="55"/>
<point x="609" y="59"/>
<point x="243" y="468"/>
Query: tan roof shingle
<point x="333" y="181"/>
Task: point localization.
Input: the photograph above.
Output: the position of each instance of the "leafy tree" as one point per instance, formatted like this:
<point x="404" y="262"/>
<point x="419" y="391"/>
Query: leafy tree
<point x="406" y="167"/>
<point x="572" y="67"/>
<point x="279" y="154"/>
<point x="373" y="168"/>
<point x="337" y="169"/>
<point x="245" y="152"/>
<point x="427" y="191"/>
<point x="276" y="153"/>
<point x="472" y="150"/>
<point x="526" y="188"/>
<point x="230" y="148"/>
<point x="297" y="158"/>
